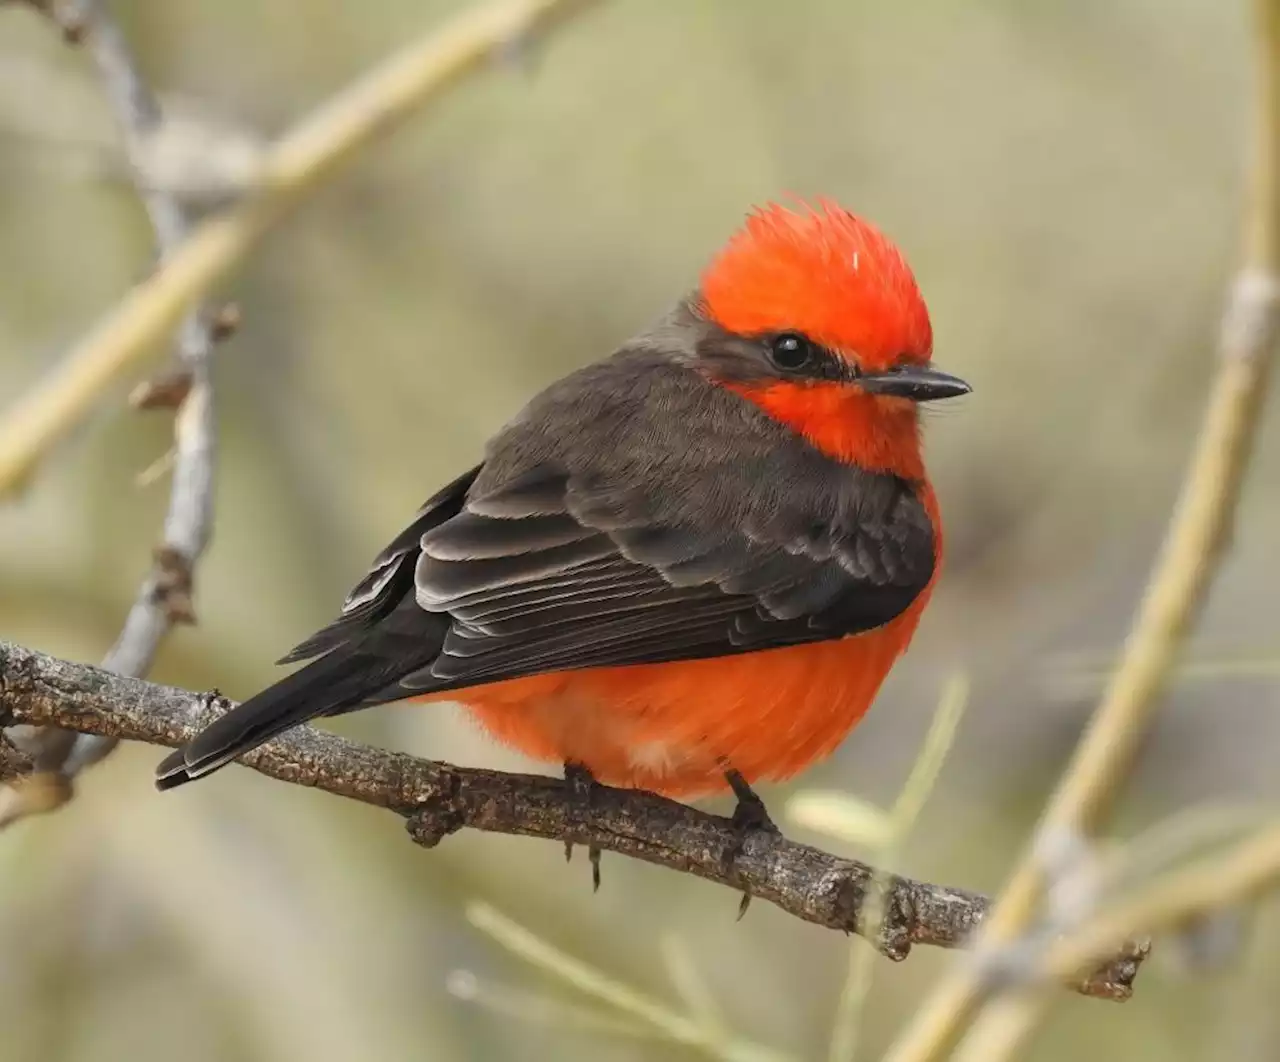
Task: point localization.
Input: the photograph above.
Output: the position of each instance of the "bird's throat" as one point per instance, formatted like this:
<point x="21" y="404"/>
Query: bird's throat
<point x="844" y="422"/>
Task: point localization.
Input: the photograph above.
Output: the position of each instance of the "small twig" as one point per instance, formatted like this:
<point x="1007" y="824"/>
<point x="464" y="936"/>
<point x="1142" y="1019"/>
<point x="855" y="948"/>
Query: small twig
<point x="1196" y="540"/>
<point x="165" y="595"/>
<point x="1246" y="870"/>
<point x="438" y="799"/>
<point x="291" y="168"/>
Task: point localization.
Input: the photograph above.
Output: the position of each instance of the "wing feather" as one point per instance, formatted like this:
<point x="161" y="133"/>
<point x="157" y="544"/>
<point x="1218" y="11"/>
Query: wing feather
<point x="560" y="553"/>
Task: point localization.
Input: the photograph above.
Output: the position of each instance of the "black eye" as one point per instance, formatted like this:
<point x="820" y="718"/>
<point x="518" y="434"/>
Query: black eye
<point x="790" y="351"/>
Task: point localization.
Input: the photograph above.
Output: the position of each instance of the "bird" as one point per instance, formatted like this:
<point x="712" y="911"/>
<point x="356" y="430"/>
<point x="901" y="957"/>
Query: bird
<point x="685" y="568"/>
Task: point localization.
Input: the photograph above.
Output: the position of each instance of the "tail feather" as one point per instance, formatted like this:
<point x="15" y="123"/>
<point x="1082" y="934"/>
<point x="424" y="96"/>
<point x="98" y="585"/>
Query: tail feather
<point x="321" y="688"/>
<point x="381" y="636"/>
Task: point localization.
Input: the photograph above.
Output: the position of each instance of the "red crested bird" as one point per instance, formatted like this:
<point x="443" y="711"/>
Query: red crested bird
<point x="686" y="567"/>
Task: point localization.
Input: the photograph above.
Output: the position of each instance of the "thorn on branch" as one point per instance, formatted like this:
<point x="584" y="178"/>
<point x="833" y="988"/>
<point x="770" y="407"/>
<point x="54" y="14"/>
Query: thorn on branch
<point x="1114" y="981"/>
<point x="167" y="390"/>
<point x="65" y="15"/>
<point x="225" y="322"/>
<point x="173" y="584"/>
<point x="156" y="469"/>
<point x="73" y="27"/>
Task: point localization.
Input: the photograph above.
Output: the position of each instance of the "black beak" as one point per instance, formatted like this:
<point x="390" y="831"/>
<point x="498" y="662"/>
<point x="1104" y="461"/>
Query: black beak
<point x="920" y="383"/>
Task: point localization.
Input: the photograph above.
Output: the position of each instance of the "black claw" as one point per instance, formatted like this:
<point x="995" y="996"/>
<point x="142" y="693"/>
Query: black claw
<point x="581" y="783"/>
<point x="749" y="816"/>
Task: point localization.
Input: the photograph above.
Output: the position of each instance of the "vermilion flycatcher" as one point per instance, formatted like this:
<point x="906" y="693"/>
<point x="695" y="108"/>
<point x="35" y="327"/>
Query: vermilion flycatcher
<point x="687" y="566"/>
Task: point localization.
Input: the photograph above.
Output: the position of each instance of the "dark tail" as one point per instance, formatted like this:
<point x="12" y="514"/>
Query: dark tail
<point x="332" y="685"/>
<point x="364" y="672"/>
<point x="323" y="687"/>
<point x="381" y="636"/>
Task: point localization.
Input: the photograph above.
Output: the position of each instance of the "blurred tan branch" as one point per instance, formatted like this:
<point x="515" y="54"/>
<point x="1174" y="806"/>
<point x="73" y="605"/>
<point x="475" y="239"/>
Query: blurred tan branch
<point x="438" y="799"/>
<point x="1171" y="901"/>
<point x="1196" y="539"/>
<point x="900" y="821"/>
<point x="698" y="1032"/>
<point x="1248" y="868"/>
<point x="164" y="597"/>
<point x="297" y="164"/>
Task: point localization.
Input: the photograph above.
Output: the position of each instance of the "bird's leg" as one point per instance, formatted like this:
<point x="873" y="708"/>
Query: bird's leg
<point x="749" y="815"/>
<point x="581" y="782"/>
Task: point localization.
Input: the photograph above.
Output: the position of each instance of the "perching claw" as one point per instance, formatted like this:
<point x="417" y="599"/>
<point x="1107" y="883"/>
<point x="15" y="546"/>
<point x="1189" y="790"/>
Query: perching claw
<point x="749" y="816"/>
<point x="581" y="782"/>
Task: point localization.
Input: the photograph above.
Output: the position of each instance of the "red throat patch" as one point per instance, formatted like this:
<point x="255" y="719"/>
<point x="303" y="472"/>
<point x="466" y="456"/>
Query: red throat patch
<point x="881" y="435"/>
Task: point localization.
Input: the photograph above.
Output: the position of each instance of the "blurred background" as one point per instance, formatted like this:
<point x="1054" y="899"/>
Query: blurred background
<point x="1065" y="180"/>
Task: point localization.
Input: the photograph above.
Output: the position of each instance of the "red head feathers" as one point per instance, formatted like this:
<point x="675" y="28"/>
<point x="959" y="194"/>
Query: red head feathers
<point x="826" y="273"/>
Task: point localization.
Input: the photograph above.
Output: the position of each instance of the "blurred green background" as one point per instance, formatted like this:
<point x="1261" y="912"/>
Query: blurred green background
<point x="1065" y="179"/>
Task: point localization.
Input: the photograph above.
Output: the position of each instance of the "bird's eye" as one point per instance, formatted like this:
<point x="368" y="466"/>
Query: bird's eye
<point x="790" y="351"/>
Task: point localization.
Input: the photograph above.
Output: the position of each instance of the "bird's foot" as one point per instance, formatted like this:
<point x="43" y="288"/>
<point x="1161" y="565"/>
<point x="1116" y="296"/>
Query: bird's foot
<point x="581" y="783"/>
<point x="750" y="816"/>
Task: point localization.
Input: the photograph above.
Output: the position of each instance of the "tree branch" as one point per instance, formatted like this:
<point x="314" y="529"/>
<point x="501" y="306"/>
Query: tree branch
<point x="164" y="598"/>
<point x="437" y="799"/>
<point x="297" y="164"/>
<point x="188" y="266"/>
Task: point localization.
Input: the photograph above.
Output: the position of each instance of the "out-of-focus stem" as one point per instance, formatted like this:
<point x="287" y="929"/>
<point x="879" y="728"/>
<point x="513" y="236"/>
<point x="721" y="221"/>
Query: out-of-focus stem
<point x="1198" y="532"/>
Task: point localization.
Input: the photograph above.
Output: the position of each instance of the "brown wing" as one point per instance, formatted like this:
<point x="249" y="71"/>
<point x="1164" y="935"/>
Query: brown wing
<point x="728" y="535"/>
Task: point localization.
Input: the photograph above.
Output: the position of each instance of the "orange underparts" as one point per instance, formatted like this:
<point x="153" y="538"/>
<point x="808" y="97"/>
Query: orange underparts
<point x="666" y="727"/>
<point x="770" y="714"/>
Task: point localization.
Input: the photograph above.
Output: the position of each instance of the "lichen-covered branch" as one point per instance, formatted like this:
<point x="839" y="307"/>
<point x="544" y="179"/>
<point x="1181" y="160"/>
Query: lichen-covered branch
<point x="437" y="799"/>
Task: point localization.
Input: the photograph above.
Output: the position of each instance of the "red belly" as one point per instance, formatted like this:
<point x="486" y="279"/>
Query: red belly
<point x="668" y="727"/>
